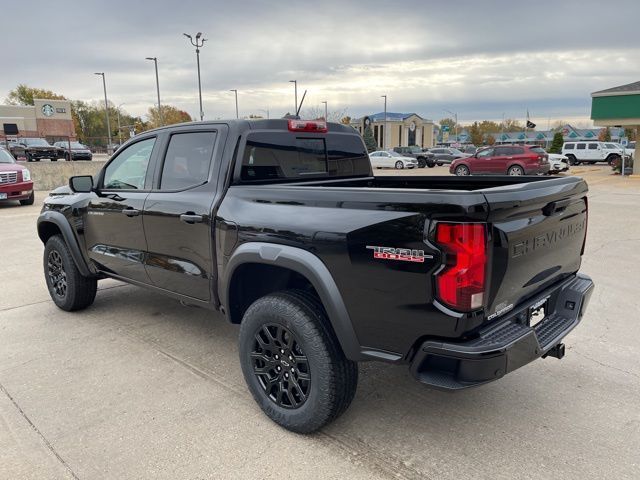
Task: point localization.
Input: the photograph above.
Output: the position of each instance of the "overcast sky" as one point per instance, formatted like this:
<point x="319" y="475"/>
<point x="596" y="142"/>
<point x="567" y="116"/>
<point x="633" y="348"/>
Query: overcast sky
<point x="479" y="59"/>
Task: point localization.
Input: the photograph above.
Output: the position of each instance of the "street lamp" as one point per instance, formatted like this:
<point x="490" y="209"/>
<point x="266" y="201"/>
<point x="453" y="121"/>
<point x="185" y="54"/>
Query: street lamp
<point x="119" y="128"/>
<point x="295" y="86"/>
<point x="155" y="61"/>
<point x="326" y="112"/>
<point x="456" y="120"/>
<point x="236" y="92"/>
<point x="384" y="133"/>
<point x="198" y="43"/>
<point x="106" y="109"/>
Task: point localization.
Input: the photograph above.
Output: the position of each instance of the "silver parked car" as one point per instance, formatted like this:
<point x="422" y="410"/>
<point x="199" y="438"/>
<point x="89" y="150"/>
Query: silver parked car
<point x="384" y="159"/>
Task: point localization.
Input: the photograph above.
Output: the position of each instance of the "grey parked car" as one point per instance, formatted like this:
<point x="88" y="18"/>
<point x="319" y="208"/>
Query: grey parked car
<point x="446" y="155"/>
<point x="78" y="151"/>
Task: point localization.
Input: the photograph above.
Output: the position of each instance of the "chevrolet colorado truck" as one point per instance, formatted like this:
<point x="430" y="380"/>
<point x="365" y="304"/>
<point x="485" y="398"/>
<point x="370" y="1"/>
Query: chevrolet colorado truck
<point x="281" y="227"/>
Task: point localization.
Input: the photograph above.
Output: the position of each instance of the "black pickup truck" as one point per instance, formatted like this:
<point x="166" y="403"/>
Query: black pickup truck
<point x="281" y="226"/>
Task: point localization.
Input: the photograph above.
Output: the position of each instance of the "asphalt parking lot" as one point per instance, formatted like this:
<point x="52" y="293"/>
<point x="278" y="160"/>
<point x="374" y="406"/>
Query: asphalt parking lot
<point x="139" y="386"/>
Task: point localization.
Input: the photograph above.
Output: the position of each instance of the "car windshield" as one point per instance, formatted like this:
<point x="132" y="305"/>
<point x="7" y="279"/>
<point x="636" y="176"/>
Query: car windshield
<point x="396" y="154"/>
<point x="538" y="150"/>
<point x="415" y="149"/>
<point x="611" y="145"/>
<point x="455" y="151"/>
<point x="73" y="145"/>
<point x="36" y="142"/>
<point x="5" y="157"/>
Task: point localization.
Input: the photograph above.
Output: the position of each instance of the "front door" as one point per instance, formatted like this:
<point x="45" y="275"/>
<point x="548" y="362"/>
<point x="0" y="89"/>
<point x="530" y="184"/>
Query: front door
<point x="113" y="222"/>
<point x="481" y="163"/>
<point x="178" y="216"/>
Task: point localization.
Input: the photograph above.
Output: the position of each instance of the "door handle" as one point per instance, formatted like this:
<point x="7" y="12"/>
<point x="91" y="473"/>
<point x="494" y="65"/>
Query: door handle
<point x="131" y="212"/>
<point x="191" y="218"/>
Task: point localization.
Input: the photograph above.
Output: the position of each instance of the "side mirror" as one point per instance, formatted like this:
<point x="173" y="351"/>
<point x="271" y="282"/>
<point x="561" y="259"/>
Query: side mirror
<point x="81" y="183"/>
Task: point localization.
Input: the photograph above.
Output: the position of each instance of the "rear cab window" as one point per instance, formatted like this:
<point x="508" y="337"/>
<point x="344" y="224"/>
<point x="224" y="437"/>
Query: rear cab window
<point x="296" y="156"/>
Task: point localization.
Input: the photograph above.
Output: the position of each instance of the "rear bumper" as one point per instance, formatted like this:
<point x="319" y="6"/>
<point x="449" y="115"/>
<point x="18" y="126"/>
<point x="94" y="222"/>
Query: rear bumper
<point x="505" y="345"/>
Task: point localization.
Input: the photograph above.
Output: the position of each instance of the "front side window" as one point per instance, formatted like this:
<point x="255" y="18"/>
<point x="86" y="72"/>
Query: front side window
<point x="593" y="146"/>
<point x="485" y="153"/>
<point x="129" y="169"/>
<point x="188" y="160"/>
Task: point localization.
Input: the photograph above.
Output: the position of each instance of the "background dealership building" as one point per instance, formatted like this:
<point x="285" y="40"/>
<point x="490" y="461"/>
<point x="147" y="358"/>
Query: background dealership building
<point x="50" y="119"/>
<point x="398" y="129"/>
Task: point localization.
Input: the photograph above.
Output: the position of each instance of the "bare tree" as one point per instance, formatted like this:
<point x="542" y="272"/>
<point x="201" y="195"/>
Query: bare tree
<point x="316" y="113"/>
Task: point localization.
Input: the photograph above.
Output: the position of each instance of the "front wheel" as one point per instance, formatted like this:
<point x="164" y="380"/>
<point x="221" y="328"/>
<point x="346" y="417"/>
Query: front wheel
<point x="292" y="362"/>
<point x="30" y="200"/>
<point x="69" y="289"/>
<point x="462" y="170"/>
<point x="515" y="170"/>
<point x="399" y="165"/>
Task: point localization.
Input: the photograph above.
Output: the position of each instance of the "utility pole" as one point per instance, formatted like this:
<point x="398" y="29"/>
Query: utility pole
<point x="119" y="127"/>
<point x="106" y="110"/>
<point x="236" y="92"/>
<point x="326" y="112"/>
<point x="295" y="87"/>
<point x="155" y="61"/>
<point x="198" y="43"/>
<point x="384" y="133"/>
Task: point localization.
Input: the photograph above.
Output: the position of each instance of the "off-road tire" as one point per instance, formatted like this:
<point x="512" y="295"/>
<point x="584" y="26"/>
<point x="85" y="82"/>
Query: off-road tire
<point x="332" y="377"/>
<point x="79" y="291"/>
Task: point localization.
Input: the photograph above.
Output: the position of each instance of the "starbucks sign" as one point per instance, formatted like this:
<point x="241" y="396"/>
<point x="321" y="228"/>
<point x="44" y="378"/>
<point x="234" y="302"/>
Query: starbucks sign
<point x="47" y="110"/>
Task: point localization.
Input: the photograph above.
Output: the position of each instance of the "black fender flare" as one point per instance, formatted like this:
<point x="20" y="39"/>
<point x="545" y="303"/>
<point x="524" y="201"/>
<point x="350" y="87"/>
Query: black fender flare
<point x="60" y="221"/>
<point x="311" y="267"/>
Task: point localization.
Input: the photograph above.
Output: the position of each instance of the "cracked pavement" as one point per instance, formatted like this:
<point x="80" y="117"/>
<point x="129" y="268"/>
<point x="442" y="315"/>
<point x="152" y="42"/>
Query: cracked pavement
<point x="138" y="386"/>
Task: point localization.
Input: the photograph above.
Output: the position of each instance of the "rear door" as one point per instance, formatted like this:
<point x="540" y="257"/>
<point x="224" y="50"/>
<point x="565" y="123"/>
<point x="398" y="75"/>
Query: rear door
<point x="538" y="232"/>
<point x="113" y="222"/>
<point x="177" y="217"/>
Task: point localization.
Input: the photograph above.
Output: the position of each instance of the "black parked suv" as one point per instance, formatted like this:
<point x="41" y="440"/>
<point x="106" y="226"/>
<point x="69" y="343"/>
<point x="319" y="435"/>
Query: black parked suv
<point x="423" y="158"/>
<point x="280" y="226"/>
<point x="37" y="149"/>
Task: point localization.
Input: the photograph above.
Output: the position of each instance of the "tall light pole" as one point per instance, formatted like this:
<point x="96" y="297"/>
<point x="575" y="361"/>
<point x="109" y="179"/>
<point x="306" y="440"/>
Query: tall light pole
<point x="198" y="43"/>
<point x="326" y="112"/>
<point x="106" y="109"/>
<point x="295" y="92"/>
<point x="265" y="111"/>
<point x="155" y="61"/>
<point x="456" y="120"/>
<point x="119" y="128"/>
<point x="384" y="133"/>
<point x="236" y="92"/>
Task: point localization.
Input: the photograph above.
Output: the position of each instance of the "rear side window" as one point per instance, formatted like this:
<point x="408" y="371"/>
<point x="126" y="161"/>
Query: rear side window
<point x="580" y="146"/>
<point x="593" y="146"/>
<point x="188" y="160"/>
<point x="285" y="156"/>
<point x="569" y="146"/>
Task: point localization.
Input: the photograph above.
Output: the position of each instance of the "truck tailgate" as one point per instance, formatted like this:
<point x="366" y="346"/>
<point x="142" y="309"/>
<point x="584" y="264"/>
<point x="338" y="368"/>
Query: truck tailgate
<point x="537" y="236"/>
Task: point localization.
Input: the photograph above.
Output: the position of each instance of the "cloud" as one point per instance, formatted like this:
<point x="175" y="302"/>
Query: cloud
<point x="480" y="60"/>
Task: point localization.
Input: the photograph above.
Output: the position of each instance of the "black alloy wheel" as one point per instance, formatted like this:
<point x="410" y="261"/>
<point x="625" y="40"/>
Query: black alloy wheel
<point x="281" y="367"/>
<point x="57" y="274"/>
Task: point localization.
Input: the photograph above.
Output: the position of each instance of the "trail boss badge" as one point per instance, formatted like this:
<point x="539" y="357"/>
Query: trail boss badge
<point x="401" y="254"/>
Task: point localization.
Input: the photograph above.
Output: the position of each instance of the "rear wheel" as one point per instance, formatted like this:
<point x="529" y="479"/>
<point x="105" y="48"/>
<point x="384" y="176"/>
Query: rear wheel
<point x="293" y="363"/>
<point x="462" y="170"/>
<point x="69" y="289"/>
<point x="27" y="156"/>
<point x="399" y="165"/>
<point x="421" y="162"/>
<point x="515" y="170"/>
<point x="28" y="201"/>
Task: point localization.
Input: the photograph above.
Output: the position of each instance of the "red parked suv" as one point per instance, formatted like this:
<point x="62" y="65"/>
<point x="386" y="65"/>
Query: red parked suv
<point x="504" y="159"/>
<point x="15" y="180"/>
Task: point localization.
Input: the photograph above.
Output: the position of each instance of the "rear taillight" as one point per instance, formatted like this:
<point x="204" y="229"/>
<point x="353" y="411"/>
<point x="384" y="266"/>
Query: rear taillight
<point x="308" y="126"/>
<point x="461" y="284"/>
